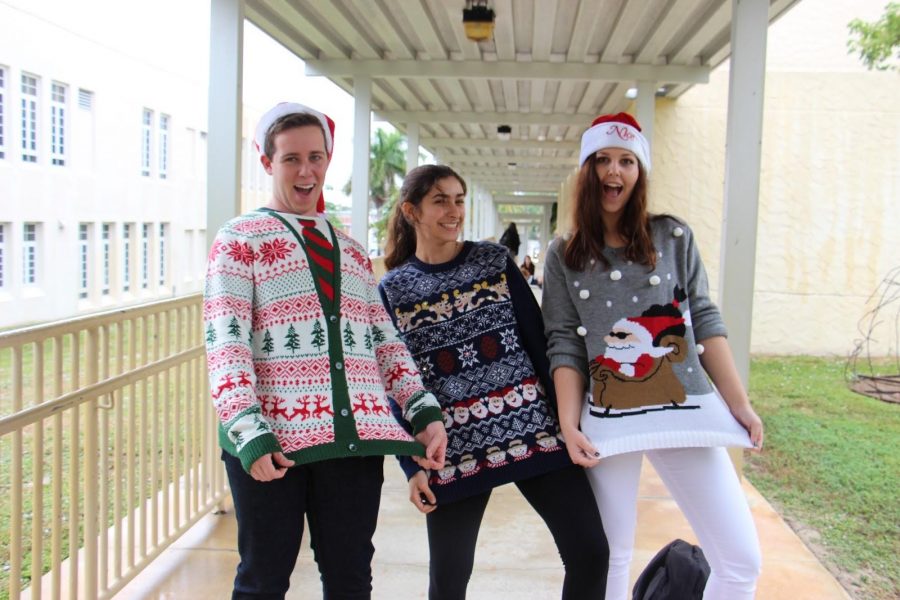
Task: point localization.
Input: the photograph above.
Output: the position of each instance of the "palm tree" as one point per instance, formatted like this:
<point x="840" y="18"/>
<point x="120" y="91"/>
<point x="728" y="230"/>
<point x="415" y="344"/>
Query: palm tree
<point x="387" y="166"/>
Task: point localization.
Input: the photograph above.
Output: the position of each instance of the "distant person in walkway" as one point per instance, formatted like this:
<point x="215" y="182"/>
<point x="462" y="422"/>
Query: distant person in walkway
<point x="301" y="356"/>
<point x="632" y="336"/>
<point x="510" y="239"/>
<point x="475" y="330"/>
<point x="527" y="268"/>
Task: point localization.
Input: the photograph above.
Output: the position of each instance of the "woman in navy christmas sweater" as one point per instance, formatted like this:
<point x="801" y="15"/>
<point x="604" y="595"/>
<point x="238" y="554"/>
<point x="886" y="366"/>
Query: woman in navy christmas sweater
<point x="632" y="336"/>
<point x="475" y="331"/>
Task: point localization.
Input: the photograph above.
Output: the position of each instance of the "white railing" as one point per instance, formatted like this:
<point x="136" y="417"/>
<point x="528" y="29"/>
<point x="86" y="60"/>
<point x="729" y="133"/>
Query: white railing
<point x="108" y="448"/>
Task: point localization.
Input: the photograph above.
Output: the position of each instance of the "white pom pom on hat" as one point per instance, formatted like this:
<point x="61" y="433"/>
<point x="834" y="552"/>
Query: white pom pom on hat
<point x="615" y="131"/>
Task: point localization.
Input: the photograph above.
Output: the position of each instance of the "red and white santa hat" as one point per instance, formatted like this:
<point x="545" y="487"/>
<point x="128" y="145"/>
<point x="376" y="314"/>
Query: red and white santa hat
<point x="615" y="131"/>
<point x="647" y="328"/>
<point x="284" y="109"/>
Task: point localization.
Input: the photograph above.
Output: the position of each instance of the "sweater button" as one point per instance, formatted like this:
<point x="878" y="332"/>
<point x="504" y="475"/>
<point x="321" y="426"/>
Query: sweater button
<point x="345" y="412"/>
<point x="338" y="365"/>
<point x="332" y="318"/>
<point x="352" y="447"/>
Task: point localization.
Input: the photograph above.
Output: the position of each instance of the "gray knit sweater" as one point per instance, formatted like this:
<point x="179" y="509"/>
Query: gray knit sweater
<point x="633" y="333"/>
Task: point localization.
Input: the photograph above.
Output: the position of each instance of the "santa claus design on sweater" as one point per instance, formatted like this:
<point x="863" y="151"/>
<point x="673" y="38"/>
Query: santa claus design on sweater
<point x="635" y="370"/>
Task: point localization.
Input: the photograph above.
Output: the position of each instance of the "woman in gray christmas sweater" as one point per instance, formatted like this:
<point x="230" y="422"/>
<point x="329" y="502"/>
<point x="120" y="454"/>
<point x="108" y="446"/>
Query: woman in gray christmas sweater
<point x="632" y="335"/>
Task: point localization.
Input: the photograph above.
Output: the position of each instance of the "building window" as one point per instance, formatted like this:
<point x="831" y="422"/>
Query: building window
<point x="58" y="124"/>
<point x="2" y="112"/>
<point x="145" y="256"/>
<point x="146" y="133"/>
<point x="3" y="229"/>
<point x="162" y="253"/>
<point x="127" y="230"/>
<point x="30" y="254"/>
<point x="85" y="99"/>
<point x="163" y="146"/>
<point x="107" y="259"/>
<point x="83" y="260"/>
<point x="29" y="117"/>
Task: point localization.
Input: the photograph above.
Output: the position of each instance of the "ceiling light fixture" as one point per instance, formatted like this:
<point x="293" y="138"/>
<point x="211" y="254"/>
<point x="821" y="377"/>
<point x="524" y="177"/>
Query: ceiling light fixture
<point x="504" y="132"/>
<point x="631" y="93"/>
<point x="478" y="20"/>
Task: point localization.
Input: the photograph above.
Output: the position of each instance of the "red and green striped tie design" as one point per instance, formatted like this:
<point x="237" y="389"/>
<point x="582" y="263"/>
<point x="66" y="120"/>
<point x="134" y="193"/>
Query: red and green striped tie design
<point x="320" y="252"/>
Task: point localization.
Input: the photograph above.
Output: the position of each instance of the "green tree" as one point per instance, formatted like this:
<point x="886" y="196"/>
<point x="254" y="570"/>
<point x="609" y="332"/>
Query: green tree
<point x="878" y="42"/>
<point x="318" y="336"/>
<point x="268" y="344"/>
<point x="349" y="340"/>
<point x="293" y="340"/>
<point x="234" y="328"/>
<point x="377" y="334"/>
<point x="210" y="334"/>
<point x="368" y="339"/>
<point x="387" y="166"/>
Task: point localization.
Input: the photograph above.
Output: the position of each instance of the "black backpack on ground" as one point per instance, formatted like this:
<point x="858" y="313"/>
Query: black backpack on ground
<point x="677" y="572"/>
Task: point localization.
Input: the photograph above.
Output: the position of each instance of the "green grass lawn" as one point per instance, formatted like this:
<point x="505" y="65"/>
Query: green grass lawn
<point x="831" y="466"/>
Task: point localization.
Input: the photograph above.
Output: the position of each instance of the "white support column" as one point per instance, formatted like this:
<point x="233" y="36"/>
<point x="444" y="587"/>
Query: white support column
<point x="749" y="24"/>
<point x="646" y="109"/>
<point x="362" y="133"/>
<point x="223" y="170"/>
<point x="545" y="229"/>
<point x="412" y="146"/>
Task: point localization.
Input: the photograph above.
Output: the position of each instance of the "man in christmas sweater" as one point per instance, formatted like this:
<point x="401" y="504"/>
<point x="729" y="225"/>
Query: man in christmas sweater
<point x="301" y="357"/>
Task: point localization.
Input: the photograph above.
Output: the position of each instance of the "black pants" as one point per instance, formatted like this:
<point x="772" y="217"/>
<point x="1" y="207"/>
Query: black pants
<point x="340" y="499"/>
<point x="566" y="503"/>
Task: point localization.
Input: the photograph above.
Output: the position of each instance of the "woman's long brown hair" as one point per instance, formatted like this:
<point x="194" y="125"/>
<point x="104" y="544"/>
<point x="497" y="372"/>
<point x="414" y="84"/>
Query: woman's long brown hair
<point x="587" y="235"/>
<point x="401" y="241"/>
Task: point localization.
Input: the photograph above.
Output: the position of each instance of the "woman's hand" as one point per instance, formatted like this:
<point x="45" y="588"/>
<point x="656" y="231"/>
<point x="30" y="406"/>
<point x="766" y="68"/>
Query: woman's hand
<point x="420" y="494"/>
<point x="270" y="466"/>
<point x="581" y="450"/>
<point x="748" y="418"/>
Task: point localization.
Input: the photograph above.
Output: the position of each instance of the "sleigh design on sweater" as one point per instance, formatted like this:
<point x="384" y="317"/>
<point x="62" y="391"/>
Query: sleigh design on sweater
<point x="635" y="372"/>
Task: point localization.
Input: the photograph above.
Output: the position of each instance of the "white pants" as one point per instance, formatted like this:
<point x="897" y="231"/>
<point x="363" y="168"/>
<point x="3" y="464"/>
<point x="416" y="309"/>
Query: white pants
<point x="704" y="484"/>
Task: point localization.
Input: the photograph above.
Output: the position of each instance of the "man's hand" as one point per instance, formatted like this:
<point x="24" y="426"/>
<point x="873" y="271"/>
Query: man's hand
<point x="434" y="438"/>
<point x="420" y="494"/>
<point x="270" y="466"/>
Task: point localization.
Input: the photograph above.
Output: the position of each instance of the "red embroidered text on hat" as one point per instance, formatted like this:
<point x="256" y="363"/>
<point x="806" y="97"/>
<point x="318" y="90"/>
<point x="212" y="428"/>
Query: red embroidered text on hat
<point x="615" y="131"/>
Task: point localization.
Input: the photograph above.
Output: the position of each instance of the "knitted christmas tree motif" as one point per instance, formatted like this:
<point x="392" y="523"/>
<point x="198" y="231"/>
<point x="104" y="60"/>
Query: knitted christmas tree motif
<point x="368" y="339"/>
<point x="210" y="334"/>
<point x="348" y="336"/>
<point x="377" y="334"/>
<point x="234" y="328"/>
<point x="293" y="339"/>
<point x="318" y="335"/>
<point x="268" y="344"/>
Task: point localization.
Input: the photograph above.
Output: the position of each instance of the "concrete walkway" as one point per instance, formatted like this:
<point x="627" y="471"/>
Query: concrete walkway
<point x="201" y="564"/>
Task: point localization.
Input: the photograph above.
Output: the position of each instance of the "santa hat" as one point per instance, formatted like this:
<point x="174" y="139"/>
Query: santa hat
<point x="615" y="131"/>
<point x="284" y="109"/>
<point x="647" y="328"/>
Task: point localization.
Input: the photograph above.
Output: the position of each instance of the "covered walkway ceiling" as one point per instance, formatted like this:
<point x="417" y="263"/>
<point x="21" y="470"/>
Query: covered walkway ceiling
<point x="551" y="66"/>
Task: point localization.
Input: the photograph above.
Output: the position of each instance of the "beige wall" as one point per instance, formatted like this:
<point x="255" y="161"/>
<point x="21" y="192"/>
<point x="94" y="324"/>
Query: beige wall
<point x="829" y="218"/>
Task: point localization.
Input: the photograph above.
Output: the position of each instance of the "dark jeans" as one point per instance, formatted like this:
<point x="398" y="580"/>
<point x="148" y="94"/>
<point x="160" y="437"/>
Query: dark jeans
<point x="566" y="503"/>
<point x="340" y="499"/>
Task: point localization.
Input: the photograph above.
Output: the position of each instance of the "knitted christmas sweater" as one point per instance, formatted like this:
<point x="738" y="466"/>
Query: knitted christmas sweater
<point x="475" y="331"/>
<point x="633" y="333"/>
<point x="291" y="370"/>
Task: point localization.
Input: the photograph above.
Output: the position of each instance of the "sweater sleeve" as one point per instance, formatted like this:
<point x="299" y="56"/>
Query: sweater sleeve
<point x="228" y="316"/>
<point x="531" y="326"/>
<point x="398" y="369"/>
<point x="564" y="347"/>
<point x="706" y="320"/>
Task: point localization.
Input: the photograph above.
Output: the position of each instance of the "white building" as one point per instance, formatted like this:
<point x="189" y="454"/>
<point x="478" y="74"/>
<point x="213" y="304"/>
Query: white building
<point x="102" y="168"/>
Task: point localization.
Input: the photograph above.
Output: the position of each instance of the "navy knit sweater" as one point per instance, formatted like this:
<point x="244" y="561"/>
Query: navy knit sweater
<point x="476" y="333"/>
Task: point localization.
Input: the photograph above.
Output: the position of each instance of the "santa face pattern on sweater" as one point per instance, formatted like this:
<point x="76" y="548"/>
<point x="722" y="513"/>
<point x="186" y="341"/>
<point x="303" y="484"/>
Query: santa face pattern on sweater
<point x="632" y="331"/>
<point x="291" y="370"/>
<point x="459" y="323"/>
